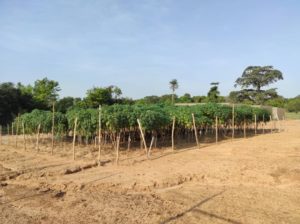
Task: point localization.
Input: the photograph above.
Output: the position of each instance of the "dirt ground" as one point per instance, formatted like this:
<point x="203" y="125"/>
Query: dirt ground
<point x="253" y="180"/>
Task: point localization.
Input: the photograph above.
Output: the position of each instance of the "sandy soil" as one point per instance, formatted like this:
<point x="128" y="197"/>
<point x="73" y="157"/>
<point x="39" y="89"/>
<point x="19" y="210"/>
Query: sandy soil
<point x="253" y="180"/>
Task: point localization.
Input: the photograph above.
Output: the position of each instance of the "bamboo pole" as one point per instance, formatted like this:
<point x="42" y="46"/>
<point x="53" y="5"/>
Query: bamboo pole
<point x="255" y="124"/>
<point x="217" y="130"/>
<point x="17" y="131"/>
<point x="12" y="133"/>
<point x="8" y="134"/>
<point x="264" y="125"/>
<point x="74" y="136"/>
<point x="195" y="130"/>
<point x="245" y="130"/>
<point x="233" y="120"/>
<point x="118" y="148"/>
<point x="143" y="137"/>
<point x="129" y="143"/>
<point x="151" y="145"/>
<point x="173" y="130"/>
<point x="53" y="123"/>
<point x="24" y="137"/>
<point x="38" y="138"/>
<point x="99" y="137"/>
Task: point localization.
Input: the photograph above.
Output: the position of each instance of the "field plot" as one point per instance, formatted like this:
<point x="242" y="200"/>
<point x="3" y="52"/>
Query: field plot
<point x="252" y="180"/>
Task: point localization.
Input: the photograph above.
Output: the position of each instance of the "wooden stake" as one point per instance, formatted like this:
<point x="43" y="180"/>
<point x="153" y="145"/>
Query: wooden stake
<point x="143" y="137"/>
<point x="173" y="130"/>
<point x="217" y="131"/>
<point x="17" y="131"/>
<point x="99" y="137"/>
<point x="233" y="122"/>
<point x="74" y="137"/>
<point x="264" y="124"/>
<point x="271" y="124"/>
<point x="24" y="138"/>
<point x="12" y="131"/>
<point x="53" y="123"/>
<point x="245" y="134"/>
<point x="38" y="138"/>
<point x="117" y="148"/>
<point x="255" y="124"/>
<point x="8" y="133"/>
<point x="129" y="142"/>
<point x="150" y="148"/>
<point x="195" y="130"/>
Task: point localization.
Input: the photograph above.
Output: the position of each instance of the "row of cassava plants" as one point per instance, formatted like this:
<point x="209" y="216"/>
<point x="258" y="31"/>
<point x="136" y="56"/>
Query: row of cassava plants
<point x="138" y="123"/>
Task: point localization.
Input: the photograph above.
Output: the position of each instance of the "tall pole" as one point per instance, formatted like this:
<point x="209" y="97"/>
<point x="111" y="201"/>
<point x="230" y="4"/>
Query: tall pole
<point x="8" y="134"/>
<point x="38" y="138"/>
<point x="233" y="122"/>
<point x="24" y="137"/>
<point x="195" y="130"/>
<point x="255" y="124"/>
<point x="143" y="137"/>
<point x="245" y="135"/>
<point x="99" y="137"/>
<point x="217" y="134"/>
<point x="53" y="123"/>
<point x="74" y="137"/>
<point x="173" y="130"/>
<point x="264" y="124"/>
<point x="17" y="130"/>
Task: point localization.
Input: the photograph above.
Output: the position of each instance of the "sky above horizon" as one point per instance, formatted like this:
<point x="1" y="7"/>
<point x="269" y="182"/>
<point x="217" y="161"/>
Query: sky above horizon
<point x="141" y="45"/>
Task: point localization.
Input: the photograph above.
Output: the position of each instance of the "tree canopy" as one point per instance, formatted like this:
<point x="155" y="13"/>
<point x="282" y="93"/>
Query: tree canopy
<point x="173" y="86"/>
<point x="45" y="91"/>
<point x="293" y="105"/>
<point x="214" y="93"/>
<point x="252" y="82"/>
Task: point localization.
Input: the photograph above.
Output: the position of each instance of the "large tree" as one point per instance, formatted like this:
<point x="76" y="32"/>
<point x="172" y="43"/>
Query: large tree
<point x="13" y="102"/>
<point x="252" y="83"/>
<point x="186" y="98"/>
<point x="45" y="91"/>
<point x="173" y="86"/>
<point x="214" y="93"/>
<point x="64" y="104"/>
<point x="293" y="105"/>
<point x="99" y="96"/>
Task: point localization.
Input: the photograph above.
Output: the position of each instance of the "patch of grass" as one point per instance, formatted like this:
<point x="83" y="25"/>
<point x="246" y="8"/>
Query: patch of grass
<point x="293" y="116"/>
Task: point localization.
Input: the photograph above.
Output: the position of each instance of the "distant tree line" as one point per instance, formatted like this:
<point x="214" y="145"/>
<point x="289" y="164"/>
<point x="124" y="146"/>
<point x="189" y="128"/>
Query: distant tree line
<point x="16" y="99"/>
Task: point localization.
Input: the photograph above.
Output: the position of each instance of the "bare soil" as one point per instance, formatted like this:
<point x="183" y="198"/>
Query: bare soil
<point x="253" y="180"/>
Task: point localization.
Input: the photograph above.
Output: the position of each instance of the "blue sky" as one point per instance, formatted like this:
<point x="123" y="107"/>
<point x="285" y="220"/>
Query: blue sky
<point x="141" y="45"/>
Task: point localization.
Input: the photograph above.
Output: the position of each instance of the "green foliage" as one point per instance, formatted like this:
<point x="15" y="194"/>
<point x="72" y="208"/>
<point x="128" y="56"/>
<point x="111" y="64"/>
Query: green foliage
<point x="66" y="103"/>
<point x="123" y="118"/>
<point x="186" y="98"/>
<point x="154" y="118"/>
<point x="173" y="86"/>
<point x="277" y="102"/>
<point x="45" y="91"/>
<point x="87" y="121"/>
<point x="44" y="118"/>
<point x="213" y="95"/>
<point x="293" y="105"/>
<point x="253" y="79"/>
<point x="12" y="102"/>
<point x="98" y="96"/>
<point x="104" y="96"/>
